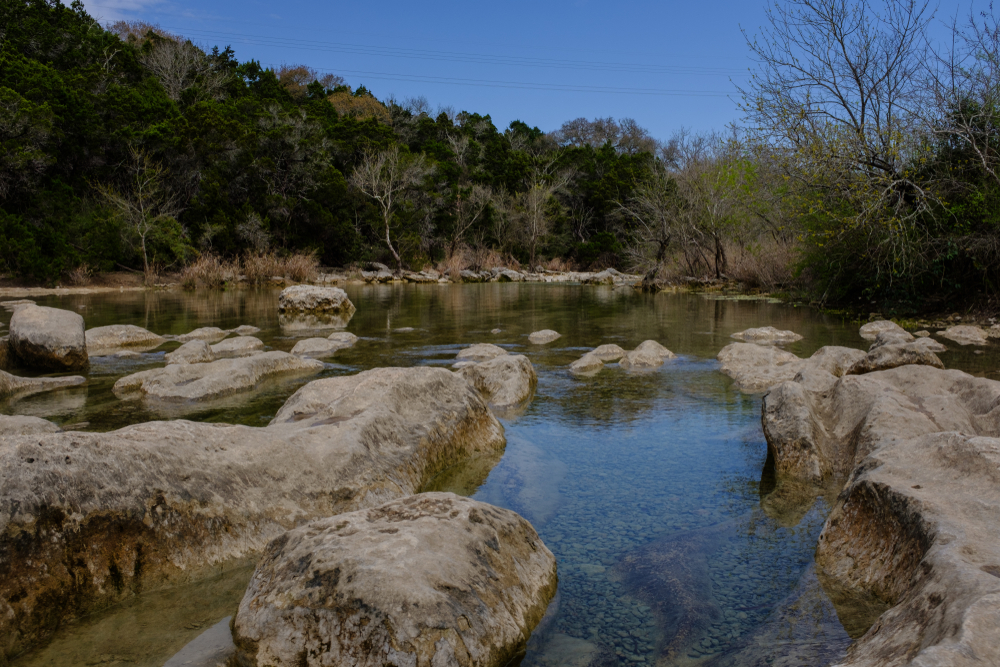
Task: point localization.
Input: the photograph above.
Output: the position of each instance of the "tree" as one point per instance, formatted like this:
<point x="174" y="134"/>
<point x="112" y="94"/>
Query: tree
<point x="143" y="204"/>
<point x="543" y="182"/>
<point x="387" y="177"/>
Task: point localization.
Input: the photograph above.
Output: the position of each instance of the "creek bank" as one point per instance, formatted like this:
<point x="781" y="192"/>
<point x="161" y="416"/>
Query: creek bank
<point x="914" y="527"/>
<point x="88" y="519"/>
<point x="433" y="579"/>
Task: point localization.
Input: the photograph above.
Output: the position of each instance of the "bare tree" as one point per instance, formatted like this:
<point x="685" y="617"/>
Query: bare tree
<point x="180" y="65"/>
<point x="544" y="181"/>
<point x="143" y="203"/>
<point x="387" y="177"/>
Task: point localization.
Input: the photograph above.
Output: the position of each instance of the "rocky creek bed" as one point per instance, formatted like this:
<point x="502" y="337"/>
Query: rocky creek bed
<point x="646" y="483"/>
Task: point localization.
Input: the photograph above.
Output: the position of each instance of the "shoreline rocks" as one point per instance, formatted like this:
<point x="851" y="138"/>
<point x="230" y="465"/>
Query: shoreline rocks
<point x="87" y="519"/>
<point x="49" y="338"/>
<point x="965" y="334"/>
<point x="914" y="527"/>
<point x="433" y="579"/>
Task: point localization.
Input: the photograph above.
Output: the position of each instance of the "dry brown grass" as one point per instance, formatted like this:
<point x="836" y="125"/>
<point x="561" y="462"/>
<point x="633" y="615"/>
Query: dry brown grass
<point x="767" y="264"/>
<point x="259" y="269"/>
<point x="300" y="267"/>
<point x="80" y="276"/>
<point x="559" y="264"/>
<point x="256" y="269"/>
<point x="209" y="271"/>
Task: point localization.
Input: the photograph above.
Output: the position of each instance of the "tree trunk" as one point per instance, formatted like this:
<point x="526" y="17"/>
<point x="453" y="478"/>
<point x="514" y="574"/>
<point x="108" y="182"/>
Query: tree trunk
<point x="388" y="242"/>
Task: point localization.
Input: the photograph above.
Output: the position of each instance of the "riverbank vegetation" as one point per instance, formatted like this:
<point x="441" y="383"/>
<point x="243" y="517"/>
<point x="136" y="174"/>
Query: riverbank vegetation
<point x="865" y="169"/>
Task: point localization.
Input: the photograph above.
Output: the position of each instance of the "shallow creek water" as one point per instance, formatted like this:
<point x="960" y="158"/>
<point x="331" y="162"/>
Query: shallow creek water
<point x="646" y="486"/>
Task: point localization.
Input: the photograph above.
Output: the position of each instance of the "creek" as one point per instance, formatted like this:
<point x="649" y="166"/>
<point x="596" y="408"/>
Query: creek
<point x="647" y="486"/>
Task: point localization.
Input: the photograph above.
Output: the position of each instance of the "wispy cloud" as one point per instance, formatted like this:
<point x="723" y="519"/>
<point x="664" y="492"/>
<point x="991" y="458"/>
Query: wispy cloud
<point x="107" y="11"/>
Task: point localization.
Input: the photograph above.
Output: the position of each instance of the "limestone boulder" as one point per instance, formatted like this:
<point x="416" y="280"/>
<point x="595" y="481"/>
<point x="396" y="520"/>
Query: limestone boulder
<point x="314" y="299"/>
<point x="608" y="352"/>
<point x="215" y="379"/>
<point x="914" y="528"/>
<point x="505" y="381"/>
<point x="25" y="425"/>
<point x="480" y="352"/>
<point x="892" y="355"/>
<point x="871" y="330"/>
<point x="544" y="336"/>
<point x="102" y="341"/>
<point x="207" y="334"/>
<point x="318" y="348"/>
<point x="649" y="354"/>
<point x="194" y="351"/>
<point x="757" y="368"/>
<point x="965" y="334"/>
<point x="588" y="364"/>
<point x="345" y="338"/>
<point x="49" y="338"/>
<point x="767" y="335"/>
<point x="605" y="277"/>
<point x="242" y="346"/>
<point x="246" y="330"/>
<point x="508" y="276"/>
<point x="12" y="385"/>
<point x="433" y="579"/>
<point x="88" y="519"/>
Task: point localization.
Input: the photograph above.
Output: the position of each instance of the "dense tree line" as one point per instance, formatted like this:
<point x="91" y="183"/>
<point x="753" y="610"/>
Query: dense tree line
<point x="865" y="168"/>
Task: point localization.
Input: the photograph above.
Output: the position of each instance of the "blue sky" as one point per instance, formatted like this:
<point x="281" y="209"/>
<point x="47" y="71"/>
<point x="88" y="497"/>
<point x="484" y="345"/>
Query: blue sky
<point x="668" y="64"/>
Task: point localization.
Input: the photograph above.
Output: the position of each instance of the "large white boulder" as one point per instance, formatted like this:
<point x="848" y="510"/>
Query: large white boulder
<point x="314" y="299"/>
<point x="49" y="338"/>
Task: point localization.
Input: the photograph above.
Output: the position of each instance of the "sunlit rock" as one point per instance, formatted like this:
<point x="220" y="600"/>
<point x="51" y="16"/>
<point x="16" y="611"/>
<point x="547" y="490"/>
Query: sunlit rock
<point x="102" y="341"/>
<point x="544" y="336"/>
<point x="648" y="354"/>
<point x="433" y="579"/>
<point x="608" y="352"/>
<point x="12" y="385"/>
<point x="480" y="352"/>
<point x="48" y="338"/>
<point x="766" y="335"/>
<point x="757" y="368"/>
<point x="242" y="346"/>
<point x="871" y="330"/>
<point x="588" y="364"/>
<point x="965" y="334"/>
<point x="194" y="351"/>
<point x="315" y="300"/>
<point x="505" y="381"/>
<point x="208" y="334"/>
<point x="25" y="425"/>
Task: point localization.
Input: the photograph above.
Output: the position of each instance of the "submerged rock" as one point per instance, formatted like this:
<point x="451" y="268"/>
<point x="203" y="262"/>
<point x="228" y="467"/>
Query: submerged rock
<point x="49" y="338"/>
<point x="871" y="330"/>
<point x="205" y="381"/>
<point x="12" y="385"/>
<point x="915" y="525"/>
<point x="544" y="336"/>
<point x="433" y="579"/>
<point x="766" y="335"/>
<point x="480" y="352"/>
<point x="965" y="334"/>
<point x="102" y="341"/>
<point x="25" y="425"/>
<point x="608" y="352"/>
<point x="588" y="364"/>
<point x="87" y="519"/>
<point x="316" y="300"/>
<point x="505" y="381"/>
<point x="649" y="354"/>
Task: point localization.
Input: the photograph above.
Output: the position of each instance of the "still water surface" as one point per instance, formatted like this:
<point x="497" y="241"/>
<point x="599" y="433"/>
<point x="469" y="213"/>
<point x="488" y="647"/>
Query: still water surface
<point x="646" y="486"/>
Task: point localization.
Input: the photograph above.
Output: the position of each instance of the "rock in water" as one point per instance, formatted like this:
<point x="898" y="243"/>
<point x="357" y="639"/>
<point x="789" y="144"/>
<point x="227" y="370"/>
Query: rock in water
<point x="588" y="364"/>
<point x="194" y="351"/>
<point x="24" y="425"/>
<point x="649" y="354"/>
<point x="316" y="300"/>
<point x="757" y="368"/>
<point x="505" y="381"/>
<point x="208" y="334"/>
<point x="893" y="355"/>
<point x="242" y="346"/>
<point x="49" y="338"/>
<point x="246" y="330"/>
<point x="480" y="352"/>
<point x="433" y="579"/>
<point x="319" y="348"/>
<point x="102" y="341"/>
<point x="608" y="352"/>
<point x="965" y="334"/>
<point x="766" y="335"/>
<point x="871" y="330"/>
<point x="12" y="385"/>
<point x="915" y="527"/>
<point x="544" y="336"/>
<point x="205" y="381"/>
<point x="87" y="519"/>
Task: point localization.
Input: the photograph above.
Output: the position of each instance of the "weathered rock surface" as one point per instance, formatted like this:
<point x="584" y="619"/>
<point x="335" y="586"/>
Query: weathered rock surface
<point x="505" y="381"/>
<point x="871" y="330"/>
<point x="107" y="340"/>
<point x="246" y="330"/>
<point x="345" y="338"/>
<point x="12" y="385"/>
<point x="433" y="579"/>
<point x="89" y="518"/>
<point x="756" y="368"/>
<point x="317" y="348"/>
<point x="480" y="352"/>
<point x="893" y="355"/>
<point x="649" y="354"/>
<point x="608" y="352"/>
<point x="915" y="527"/>
<point x="605" y="277"/>
<point x="766" y="335"/>
<point x="313" y="299"/>
<point x="48" y="338"/>
<point x="965" y="334"/>
<point x="588" y="364"/>
<point x="194" y="351"/>
<point x="544" y="336"/>
<point x="208" y="334"/>
<point x="25" y="425"/>
<point x="242" y="346"/>
<point x="205" y="381"/>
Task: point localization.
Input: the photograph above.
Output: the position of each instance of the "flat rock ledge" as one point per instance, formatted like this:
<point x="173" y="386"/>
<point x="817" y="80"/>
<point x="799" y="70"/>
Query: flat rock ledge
<point x="88" y="519"/>
<point x="506" y="381"/>
<point x="915" y="526"/>
<point x="102" y="341"/>
<point x="433" y="579"/>
<point x="767" y="335"/>
<point x="198" y="351"/>
<point x="12" y="385"/>
<point x="214" y="379"/>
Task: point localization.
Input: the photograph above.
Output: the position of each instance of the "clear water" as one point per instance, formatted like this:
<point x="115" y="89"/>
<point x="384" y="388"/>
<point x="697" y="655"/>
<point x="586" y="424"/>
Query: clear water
<point x="646" y="486"/>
